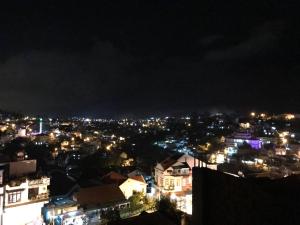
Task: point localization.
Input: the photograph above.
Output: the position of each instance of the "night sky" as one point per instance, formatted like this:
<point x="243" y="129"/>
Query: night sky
<point x="135" y="58"/>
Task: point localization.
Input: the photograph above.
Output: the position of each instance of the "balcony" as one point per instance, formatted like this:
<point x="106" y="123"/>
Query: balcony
<point x="42" y="181"/>
<point x="178" y="173"/>
<point x="169" y="188"/>
<point x="42" y="196"/>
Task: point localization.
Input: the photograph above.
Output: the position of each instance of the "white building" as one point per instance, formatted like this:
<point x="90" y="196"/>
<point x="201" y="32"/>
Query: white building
<point x="133" y="184"/>
<point x="174" y="174"/>
<point x="128" y="185"/>
<point x="173" y="178"/>
<point x="22" y="197"/>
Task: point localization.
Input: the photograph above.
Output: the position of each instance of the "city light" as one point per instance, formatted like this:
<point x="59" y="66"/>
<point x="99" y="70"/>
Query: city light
<point x="289" y="117"/>
<point x="121" y="138"/>
<point x="284" y="141"/>
<point x="109" y="147"/>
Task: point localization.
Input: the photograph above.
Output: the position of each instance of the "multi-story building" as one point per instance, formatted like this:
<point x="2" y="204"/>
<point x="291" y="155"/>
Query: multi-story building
<point x="22" y="193"/>
<point x="63" y="211"/>
<point x="173" y="178"/>
<point x="239" y="138"/>
<point x="174" y="174"/>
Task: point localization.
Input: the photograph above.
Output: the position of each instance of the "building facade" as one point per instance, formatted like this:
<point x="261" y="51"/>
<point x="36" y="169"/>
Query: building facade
<point x="174" y="174"/>
<point x="22" y="197"/>
<point x="132" y="185"/>
<point x="240" y="138"/>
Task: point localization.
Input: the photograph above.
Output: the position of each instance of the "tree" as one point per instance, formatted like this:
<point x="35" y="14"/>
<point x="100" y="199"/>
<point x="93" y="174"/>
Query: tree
<point x="111" y="215"/>
<point x="137" y="200"/>
<point x="166" y="205"/>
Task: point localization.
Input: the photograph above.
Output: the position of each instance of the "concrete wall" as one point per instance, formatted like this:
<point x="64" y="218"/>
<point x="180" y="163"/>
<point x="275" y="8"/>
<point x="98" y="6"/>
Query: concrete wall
<point x="22" y="167"/>
<point x="23" y="215"/>
<point x="221" y="199"/>
<point x="130" y="185"/>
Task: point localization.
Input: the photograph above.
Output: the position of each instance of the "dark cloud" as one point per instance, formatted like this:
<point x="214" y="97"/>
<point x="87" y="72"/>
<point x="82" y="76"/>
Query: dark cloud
<point x="133" y="57"/>
<point x="45" y="81"/>
<point x="260" y="40"/>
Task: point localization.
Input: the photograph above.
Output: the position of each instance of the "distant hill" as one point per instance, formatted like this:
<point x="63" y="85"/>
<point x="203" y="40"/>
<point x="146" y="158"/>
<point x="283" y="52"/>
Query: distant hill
<point x="9" y="114"/>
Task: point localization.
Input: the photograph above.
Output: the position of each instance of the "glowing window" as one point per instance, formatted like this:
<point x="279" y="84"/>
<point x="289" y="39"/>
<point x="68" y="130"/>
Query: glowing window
<point x="14" y="197"/>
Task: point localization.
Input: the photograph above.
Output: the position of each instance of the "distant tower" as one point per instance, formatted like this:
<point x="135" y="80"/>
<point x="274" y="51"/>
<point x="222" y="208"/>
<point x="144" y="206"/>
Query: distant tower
<point x="41" y="125"/>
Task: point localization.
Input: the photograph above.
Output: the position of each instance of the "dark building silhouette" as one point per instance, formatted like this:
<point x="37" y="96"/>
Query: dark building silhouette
<point x="146" y="219"/>
<point x="221" y="199"/>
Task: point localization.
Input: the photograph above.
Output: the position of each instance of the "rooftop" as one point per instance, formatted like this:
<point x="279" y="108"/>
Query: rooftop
<point x="113" y="178"/>
<point x="100" y="195"/>
<point x="170" y="161"/>
<point x="139" y="178"/>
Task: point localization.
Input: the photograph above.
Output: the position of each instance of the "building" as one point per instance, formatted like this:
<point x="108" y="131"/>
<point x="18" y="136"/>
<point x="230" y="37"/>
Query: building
<point x="174" y="174"/>
<point x="157" y="218"/>
<point x="173" y="178"/>
<point x="128" y="185"/>
<point x="240" y="138"/>
<point x="23" y="193"/>
<point x="99" y="199"/>
<point x="63" y="211"/>
<point x="220" y="198"/>
<point x="132" y="185"/>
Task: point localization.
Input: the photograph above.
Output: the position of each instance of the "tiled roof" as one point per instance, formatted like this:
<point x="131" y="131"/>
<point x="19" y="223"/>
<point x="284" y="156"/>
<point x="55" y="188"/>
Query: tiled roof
<point x="182" y="165"/>
<point x="113" y="178"/>
<point x="100" y="195"/>
<point x="139" y="178"/>
<point x="170" y="161"/>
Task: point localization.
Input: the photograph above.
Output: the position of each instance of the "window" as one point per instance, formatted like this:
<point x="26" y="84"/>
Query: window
<point x="167" y="182"/>
<point x="178" y="183"/>
<point x="33" y="193"/>
<point x="171" y="182"/>
<point x="14" y="197"/>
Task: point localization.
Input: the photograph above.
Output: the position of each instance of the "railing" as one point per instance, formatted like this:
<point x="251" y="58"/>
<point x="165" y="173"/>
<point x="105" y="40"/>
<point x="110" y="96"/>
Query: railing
<point x="39" y="181"/>
<point x="179" y="173"/>
<point x="170" y="188"/>
<point x="40" y="196"/>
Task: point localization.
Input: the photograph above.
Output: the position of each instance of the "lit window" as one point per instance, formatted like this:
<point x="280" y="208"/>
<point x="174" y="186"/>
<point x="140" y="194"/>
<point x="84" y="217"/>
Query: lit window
<point x="171" y="182"/>
<point x="14" y="197"/>
<point x="167" y="182"/>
